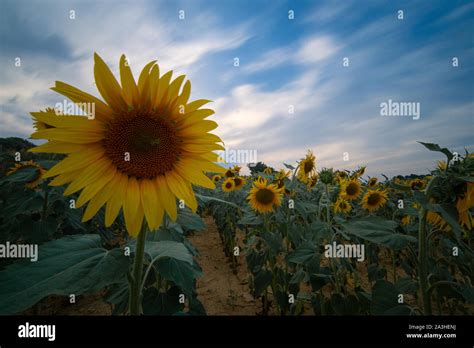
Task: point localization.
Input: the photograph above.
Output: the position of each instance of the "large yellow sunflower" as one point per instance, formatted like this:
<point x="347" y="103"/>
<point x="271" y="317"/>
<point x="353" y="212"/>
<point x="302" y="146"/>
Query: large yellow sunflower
<point x="374" y="199"/>
<point x="146" y="145"/>
<point x="262" y="197"/>
<point x="351" y="189"/>
<point x="307" y="167"/>
<point x="216" y="178"/>
<point x="29" y="164"/>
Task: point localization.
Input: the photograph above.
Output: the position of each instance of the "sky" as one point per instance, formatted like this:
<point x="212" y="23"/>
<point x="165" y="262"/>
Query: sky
<point x="285" y="64"/>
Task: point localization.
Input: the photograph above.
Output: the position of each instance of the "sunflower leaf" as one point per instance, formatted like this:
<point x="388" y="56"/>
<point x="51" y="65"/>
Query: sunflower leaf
<point x="70" y="265"/>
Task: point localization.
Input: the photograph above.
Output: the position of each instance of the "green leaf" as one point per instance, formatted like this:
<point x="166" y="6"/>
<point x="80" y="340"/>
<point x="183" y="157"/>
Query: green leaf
<point x="70" y="265"/>
<point x="190" y="221"/>
<point x="22" y="175"/>
<point x="302" y="254"/>
<point x="435" y="147"/>
<point x="379" y="231"/>
<point x="289" y="166"/>
<point x="207" y="199"/>
<point x="166" y="248"/>
<point x="179" y="272"/>
<point x="385" y="300"/>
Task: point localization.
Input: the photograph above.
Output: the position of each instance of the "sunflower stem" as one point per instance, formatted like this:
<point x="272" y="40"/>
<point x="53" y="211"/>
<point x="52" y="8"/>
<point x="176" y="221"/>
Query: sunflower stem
<point x="423" y="263"/>
<point x="135" y="286"/>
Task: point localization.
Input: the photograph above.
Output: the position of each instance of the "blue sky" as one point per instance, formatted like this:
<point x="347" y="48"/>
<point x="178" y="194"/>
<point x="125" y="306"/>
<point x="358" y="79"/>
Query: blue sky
<point x="283" y="62"/>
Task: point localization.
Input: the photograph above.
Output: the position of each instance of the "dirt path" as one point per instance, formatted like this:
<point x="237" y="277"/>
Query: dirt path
<point x="220" y="290"/>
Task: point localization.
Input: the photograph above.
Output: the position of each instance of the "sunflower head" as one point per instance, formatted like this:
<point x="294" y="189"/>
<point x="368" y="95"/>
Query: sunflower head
<point x="229" y="173"/>
<point x="39" y="172"/>
<point x="372" y="183"/>
<point x="464" y="203"/>
<point x="312" y="181"/>
<point x="239" y="182"/>
<point x="326" y="175"/>
<point x="406" y="220"/>
<point x="228" y="185"/>
<point x="146" y="145"/>
<point x="264" y="197"/>
<point x="268" y="170"/>
<point x="351" y="189"/>
<point x="374" y="199"/>
<point x="236" y="169"/>
<point x="358" y="173"/>
<point x="417" y="184"/>
<point x="307" y="167"/>
<point x="342" y="206"/>
<point x="442" y="165"/>
<point x="216" y="178"/>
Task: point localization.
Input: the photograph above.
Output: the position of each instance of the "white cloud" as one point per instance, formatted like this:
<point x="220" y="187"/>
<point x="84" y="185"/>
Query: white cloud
<point x="316" y="49"/>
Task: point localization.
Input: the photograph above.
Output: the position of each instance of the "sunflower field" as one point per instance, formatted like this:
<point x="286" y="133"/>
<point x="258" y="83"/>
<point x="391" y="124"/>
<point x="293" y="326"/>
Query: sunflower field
<point x="111" y="203"/>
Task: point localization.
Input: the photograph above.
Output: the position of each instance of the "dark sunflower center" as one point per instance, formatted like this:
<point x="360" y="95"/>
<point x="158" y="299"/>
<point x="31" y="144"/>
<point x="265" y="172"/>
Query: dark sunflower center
<point x="228" y="185"/>
<point x="265" y="196"/>
<point x="237" y="181"/>
<point x="308" y="166"/>
<point x="142" y="145"/>
<point x="342" y="205"/>
<point x="352" y="189"/>
<point x="373" y="199"/>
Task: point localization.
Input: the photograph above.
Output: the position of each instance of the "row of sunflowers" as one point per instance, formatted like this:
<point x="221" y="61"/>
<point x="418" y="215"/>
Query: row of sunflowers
<point x="411" y="228"/>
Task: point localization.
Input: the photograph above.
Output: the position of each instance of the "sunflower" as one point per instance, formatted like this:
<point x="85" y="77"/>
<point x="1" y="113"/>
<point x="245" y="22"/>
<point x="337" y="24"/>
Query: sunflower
<point x="312" y="181"/>
<point x="236" y="169"/>
<point x="437" y="221"/>
<point x="145" y="147"/>
<point x="282" y="174"/>
<point x="358" y="173"/>
<point x="263" y="197"/>
<point x="229" y="173"/>
<point x="29" y="164"/>
<point x="307" y="167"/>
<point x="268" y="170"/>
<point x="374" y="199"/>
<point x="228" y="185"/>
<point x="216" y="178"/>
<point x="442" y="165"/>
<point x="406" y="220"/>
<point x="341" y="175"/>
<point x="350" y="189"/>
<point x="417" y="184"/>
<point x="463" y="205"/>
<point x="372" y="183"/>
<point x="342" y="206"/>
<point x="239" y="182"/>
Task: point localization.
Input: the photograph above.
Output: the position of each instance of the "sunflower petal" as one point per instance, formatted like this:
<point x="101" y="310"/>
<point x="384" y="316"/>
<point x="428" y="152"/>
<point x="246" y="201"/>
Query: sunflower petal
<point x="151" y="205"/>
<point x="107" y="85"/>
<point x="129" y="87"/>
